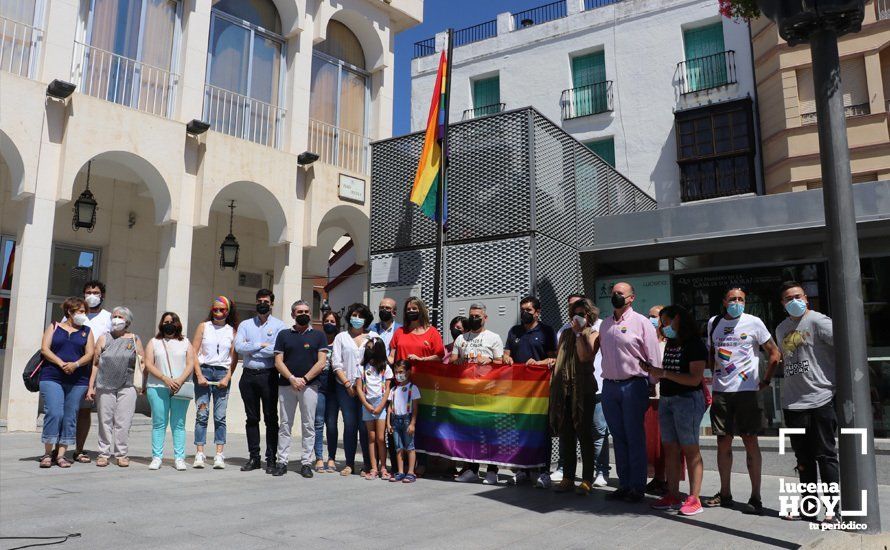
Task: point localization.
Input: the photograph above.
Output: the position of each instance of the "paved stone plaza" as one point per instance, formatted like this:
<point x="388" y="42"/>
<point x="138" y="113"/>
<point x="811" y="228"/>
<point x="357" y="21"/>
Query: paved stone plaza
<point x="137" y="508"/>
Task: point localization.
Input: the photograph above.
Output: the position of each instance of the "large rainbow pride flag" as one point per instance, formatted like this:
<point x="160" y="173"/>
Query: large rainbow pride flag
<point x="427" y="178"/>
<point x="492" y="414"/>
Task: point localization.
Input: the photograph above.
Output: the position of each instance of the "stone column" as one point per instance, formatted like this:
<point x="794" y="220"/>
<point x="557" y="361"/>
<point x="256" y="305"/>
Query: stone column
<point x="288" y="284"/>
<point x="174" y="273"/>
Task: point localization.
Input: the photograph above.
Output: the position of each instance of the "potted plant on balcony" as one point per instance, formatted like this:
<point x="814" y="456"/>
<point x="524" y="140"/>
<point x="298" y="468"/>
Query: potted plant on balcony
<point x="798" y="19"/>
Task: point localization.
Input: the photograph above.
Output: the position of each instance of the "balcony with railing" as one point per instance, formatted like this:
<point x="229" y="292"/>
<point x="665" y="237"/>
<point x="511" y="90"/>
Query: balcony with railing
<point x="243" y="117"/>
<point x="18" y="47"/>
<point x="586" y="100"/>
<point x="339" y="147"/>
<point x="128" y="82"/>
<point x="849" y="111"/>
<point x="484" y="111"/>
<point x="706" y="73"/>
<point x="540" y="14"/>
<point x="883" y="9"/>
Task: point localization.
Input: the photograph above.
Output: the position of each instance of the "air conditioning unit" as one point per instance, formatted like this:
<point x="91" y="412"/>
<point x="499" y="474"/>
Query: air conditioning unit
<point x="250" y="280"/>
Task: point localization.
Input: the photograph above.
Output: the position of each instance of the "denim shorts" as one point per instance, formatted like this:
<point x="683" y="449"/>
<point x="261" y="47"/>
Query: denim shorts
<point x="366" y="414"/>
<point x="404" y="442"/>
<point x="679" y="417"/>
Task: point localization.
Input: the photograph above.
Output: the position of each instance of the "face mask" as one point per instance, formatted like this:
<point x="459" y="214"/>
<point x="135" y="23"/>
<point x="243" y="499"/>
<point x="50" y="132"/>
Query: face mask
<point x="302" y="319"/>
<point x="330" y="328"/>
<point x="526" y="318"/>
<point x="384" y="315"/>
<point x="92" y="300"/>
<point x="401" y="377"/>
<point x="356" y="322"/>
<point x="796" y="307"/>
<point x="618" y="301"/>
<point x="455" y="333"/>
<point x="263" y="308"/>
<point x="80" y="319"/>
<point x="654" y="321"/>
<point x="581" y="320"/>
<point x="118" y="324"/>
<point x="412" y="316"/>
<point x="669" y="332"/>
<point x="735" y="309"/>
<point x="472" y="324"/>
<point x="169" y="329"/>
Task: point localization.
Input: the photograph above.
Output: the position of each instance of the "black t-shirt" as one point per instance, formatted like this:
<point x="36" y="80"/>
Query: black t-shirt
<point x="677" y="359"/>
<point x="300" y="350"/>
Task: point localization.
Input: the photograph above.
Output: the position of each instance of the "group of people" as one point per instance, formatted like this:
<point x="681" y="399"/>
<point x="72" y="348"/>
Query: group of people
<point x="604" y="376"/>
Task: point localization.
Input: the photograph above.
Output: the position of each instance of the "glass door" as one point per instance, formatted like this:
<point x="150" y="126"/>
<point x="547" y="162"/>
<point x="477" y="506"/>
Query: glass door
<point x="71" y="267"/>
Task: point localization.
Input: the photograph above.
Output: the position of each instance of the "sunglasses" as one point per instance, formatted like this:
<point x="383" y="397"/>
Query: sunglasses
<point x="219" y="310"/>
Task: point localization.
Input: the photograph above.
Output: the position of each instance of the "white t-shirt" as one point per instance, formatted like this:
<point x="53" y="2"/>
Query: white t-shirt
<point x="473" y="345"/>
<point x="216" y="345"/>
<point x="373" y="382"/>
<point x="178" y="352"/>
<point x="736" y="343"/>
<point x="403" y="398"/>
<point x="598" y="362"/>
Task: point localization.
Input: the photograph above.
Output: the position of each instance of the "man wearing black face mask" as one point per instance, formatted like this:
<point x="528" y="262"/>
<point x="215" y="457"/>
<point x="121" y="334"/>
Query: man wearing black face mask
<point x="386" y="326"/>
<point x="255" y="342"/>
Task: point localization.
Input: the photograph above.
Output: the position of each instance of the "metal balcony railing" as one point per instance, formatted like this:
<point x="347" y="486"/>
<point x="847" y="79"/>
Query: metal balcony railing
<point x="476" y="33"/>
<point x="18" y="47"/>
<point x="243" y="117"/>
<point x="424" y="47"/>
<point x="540" y="14"/>
<point x="586" y="100"/>
<point x="339" y="147"/>
<point x="883" y="9"/>
<point x="593" y="4"/>
<point x="128" y="82"/>
<point x="849" y="110"/>
<point x="477" y="112"/>
<point x="708" y="72"/>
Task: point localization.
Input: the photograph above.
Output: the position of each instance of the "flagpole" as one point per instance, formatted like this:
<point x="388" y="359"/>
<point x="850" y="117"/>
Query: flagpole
<point x="438" y="275"/>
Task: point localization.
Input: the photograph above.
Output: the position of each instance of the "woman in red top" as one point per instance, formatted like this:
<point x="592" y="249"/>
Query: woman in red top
<point x="416" y="340"/>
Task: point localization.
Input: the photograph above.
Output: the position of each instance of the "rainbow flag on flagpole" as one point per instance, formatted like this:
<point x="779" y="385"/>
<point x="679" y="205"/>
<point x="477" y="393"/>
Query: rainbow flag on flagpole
<point x="428" y="176"/>
<point x="492" y="414"/>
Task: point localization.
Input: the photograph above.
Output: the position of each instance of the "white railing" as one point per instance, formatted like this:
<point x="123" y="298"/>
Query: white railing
<point x="339" y="147"/>
<point x="18" y="47"/>
<point x="243" y="117"/>
<point x="124" y="81"/>
<point x="883" y="7"/>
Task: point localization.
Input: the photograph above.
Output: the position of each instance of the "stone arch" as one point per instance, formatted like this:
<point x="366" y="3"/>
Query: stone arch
<point x="370" y="37"/>
<point x="16" y="166"/>
<point x="289" y="14"/>
<point x="338" y="221"/>
<point x="254" y="193"/>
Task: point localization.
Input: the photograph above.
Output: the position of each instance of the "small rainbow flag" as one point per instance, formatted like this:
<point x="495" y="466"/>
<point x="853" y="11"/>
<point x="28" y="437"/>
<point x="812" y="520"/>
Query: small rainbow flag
<point x="743" y="376"/>
<point x="724" y="354"/>
<point x="426" y="180"/>
<point x="492" y="414"/>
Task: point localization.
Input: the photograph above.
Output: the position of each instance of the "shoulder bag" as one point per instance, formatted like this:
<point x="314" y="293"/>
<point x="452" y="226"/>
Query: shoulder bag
<point x="187" y="389"/>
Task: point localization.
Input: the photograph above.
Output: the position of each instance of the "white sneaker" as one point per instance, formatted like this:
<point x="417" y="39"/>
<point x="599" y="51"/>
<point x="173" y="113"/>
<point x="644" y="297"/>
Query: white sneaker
<point x="199" y="461"/>
<point x="520" y="477"/>
<point x="543" y="481"/>
<point x="556" y="476"/>
<point x="155" y="464"/>
<point x="491" y="478"/>
<point x="467" y="476"/>
<point x="600" y="481"/>
<point x="179" y="464"/>
<point x="219" y="461"/>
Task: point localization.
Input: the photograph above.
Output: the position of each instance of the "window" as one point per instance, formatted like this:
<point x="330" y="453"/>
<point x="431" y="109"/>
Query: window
<point x="129" y="52"/>
<point x="19" y="36"/>
<point x="589" y="94"/>
<point x="705" y="65"/>
<point x="7" y="263"/>
<point x="244" y="62"/>
<point x="605" y="148"/>
<point x="71" y="267"/>
<point x="486" y="94"/>
<point x="855" y="90"/>
<point x="715" y="150"/>
<point x="338" y="104"/>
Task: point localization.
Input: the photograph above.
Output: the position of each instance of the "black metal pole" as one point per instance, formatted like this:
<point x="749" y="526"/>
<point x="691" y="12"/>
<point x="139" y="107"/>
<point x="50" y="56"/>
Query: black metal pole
<point x="438" y="301"/>
<point x="853" y="399"/>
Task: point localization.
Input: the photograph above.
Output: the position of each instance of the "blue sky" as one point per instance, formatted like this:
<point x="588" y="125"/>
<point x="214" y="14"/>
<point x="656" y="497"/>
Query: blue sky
<point x="438" y="15"/>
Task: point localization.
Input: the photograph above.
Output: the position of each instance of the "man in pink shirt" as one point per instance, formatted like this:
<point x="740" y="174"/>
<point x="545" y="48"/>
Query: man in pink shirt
<point x="627" y="338"/>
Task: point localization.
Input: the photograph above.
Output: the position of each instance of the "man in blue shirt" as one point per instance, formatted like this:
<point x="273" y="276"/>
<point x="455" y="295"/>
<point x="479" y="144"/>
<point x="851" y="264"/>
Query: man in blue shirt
<point x="386" y="326"/>
<point x="255" y="342"/>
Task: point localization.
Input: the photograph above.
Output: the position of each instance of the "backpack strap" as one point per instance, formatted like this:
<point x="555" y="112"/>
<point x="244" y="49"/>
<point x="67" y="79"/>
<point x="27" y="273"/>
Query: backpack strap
<point x="712" y="356"/>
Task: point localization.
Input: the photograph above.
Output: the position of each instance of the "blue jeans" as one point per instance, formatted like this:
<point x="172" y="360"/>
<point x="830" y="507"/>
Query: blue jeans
<point x="354" y="430"/>
<point x="403" y="440"/>
<point x="60" y="405"/>
<point x="679" y="417"/>
<point x="167" y="410"/>
<point x="220" y="396"/>
<point x="624" y="405"/>
<point x="600" y="438"/>
<point x="326" y="410"/>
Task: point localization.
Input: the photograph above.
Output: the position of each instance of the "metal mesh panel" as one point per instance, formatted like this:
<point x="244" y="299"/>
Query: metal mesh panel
<point x="486" y="268"/>
<point x="554" y="181"/>
<point x="558" y="274"/>
<point x="415" y="268"/>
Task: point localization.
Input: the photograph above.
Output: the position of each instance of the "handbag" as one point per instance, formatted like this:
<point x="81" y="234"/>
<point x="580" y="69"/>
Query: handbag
<point x="140" y="376"/>
<point x="187" y="389"/>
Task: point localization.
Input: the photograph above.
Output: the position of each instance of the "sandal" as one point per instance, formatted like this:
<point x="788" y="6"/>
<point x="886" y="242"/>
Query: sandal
<point x="331" y="467"/>
<point x="371" y="475"/>
<point x="46" y="461"/>
<point x="384" y="475"/>
<point x="319" y="467"/>
<point x="82" y="457"/>
<point x="123" y="462"/>
<point x="719" y="500"/>
<point x="347" y="471"/>
<point x="62" y="462"/>
<point x="102" y="462"/>
<point x="409" y="478"/>
<point x="396" y="478"/>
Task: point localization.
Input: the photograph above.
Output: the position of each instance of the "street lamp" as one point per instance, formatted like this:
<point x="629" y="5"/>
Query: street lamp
<point x="228" y="250"/>
<point x="85" y="207"/>
<point x="820" y="22"/>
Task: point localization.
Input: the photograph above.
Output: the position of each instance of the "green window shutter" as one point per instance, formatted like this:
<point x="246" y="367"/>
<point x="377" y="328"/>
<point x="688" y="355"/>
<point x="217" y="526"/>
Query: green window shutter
<point x="704" y="69"/>
<point x="588" y="72"/>
<point x="605" y="148"/>
<point x="486" y="92"/>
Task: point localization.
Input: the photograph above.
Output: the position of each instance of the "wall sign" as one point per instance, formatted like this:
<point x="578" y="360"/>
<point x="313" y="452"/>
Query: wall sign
<point x="385" y="270"/>
<point x="352" y="189"/>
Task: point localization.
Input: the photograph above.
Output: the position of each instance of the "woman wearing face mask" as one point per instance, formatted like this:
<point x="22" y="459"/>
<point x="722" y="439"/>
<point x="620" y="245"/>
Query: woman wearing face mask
<point x="64" y="379"/>
<point x="327" y="406"/>
<point x="346" y="362"/>
<point x="111" y="386"/>
<point x="214" y="344"/>
<point x="416" y="340"/>
<point x="456" y="328"/>
<point x="170" y="361"/>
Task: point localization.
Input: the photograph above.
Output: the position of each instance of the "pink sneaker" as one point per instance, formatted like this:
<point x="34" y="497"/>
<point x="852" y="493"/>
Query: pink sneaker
<point x="691" y="506"/>
<point x="667" y="502"/>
